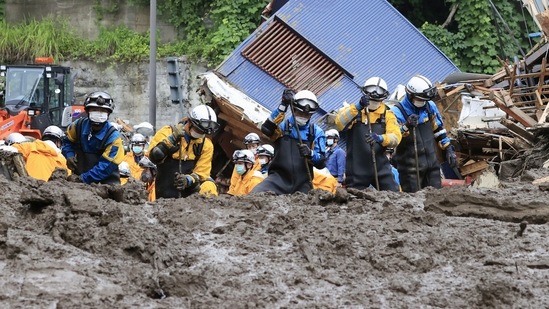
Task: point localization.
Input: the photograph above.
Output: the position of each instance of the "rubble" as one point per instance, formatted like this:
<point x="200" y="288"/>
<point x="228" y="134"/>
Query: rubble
<point x="502" y="121"/>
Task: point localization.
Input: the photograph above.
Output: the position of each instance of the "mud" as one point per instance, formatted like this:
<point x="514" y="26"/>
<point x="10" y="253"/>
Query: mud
<point x="67" y="245"/>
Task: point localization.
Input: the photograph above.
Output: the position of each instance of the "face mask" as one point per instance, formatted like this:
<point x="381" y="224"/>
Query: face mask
<point x="137" y="149"/>
<point x="196" y="135"/>
<point x="240" y="169"/>
<point x="262" y="161"/>
<point x="330" y="142"/>
<point x="301" y="121"/>
<point x="98" y="117"/>
<point x="374" y="105"/>
<point x="253" y="149"/>
<point x="419" y="103"/>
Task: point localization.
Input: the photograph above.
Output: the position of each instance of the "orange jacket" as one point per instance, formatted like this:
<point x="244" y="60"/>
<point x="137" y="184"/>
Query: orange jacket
<point x="41" y="158"/>
<point x="244" y="184"/>
<point x="324" y="180"/>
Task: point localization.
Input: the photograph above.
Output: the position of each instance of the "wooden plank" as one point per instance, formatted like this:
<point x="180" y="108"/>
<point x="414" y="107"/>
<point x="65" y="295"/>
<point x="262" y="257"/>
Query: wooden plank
<point x="473" y="167"/>
<point x="518" y="130"/>
<point x="543" y="116"/>
<point x="502" y="99"/>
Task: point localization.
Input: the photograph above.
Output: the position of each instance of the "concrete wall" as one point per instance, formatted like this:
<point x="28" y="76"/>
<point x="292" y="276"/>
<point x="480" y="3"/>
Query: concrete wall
<point x="83" y="18"/>
<point x="128" y="84"/>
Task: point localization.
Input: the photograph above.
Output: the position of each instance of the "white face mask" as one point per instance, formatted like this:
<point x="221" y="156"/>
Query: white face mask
<point x="301" y="121"/>
<point x="98" y="117"/>
<point x="374" y="105"/>
<point x="330" y="142"/>
<point x="196" y="135"/>
<point x="262" y="161"/>
<point x="419" y="103"/>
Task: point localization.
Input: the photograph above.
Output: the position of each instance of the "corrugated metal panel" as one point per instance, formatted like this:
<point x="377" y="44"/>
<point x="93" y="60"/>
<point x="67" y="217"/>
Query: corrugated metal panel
<point x="283" y="54"/>
<point x="366" y="38"/>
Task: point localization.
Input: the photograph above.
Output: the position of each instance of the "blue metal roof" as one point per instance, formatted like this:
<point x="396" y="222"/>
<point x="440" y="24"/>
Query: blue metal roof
<point x="366" y="38"/>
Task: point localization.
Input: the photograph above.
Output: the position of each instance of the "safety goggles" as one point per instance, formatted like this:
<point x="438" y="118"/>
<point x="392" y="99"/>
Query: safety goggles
<point x="205" y="126"/>
<point x="307" y="105"/>
<point x="101" y="101"/>
<point x="427" y="94"/>
<point x="261" y="151"/>
<point x="376" y="94"/>
<point x="239" y="155"/>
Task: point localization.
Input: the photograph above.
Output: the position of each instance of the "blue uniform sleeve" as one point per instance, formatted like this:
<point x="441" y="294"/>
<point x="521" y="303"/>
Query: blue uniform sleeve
<point x="438" y="128"/>
<point x="69" y="141"/>
<point x="340" y="157"/>
<point x="319" y="151"/>
<point x="108" y="162"/>
<point x="398" y="114"/>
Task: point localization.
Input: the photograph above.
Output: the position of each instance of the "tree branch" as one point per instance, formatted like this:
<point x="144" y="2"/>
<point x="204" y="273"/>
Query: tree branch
<point x="448" y="20"/>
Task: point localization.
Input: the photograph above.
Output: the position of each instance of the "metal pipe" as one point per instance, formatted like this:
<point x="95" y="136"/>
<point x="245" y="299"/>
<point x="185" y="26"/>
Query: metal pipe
<point x="152" y="65"/>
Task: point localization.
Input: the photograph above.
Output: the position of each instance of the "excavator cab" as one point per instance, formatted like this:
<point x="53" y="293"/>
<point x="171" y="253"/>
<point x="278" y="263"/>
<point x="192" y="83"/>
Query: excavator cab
<point x="34" y="97"/>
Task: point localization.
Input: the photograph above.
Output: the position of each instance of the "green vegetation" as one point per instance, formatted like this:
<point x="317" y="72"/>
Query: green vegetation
<point x="53" y="37"/>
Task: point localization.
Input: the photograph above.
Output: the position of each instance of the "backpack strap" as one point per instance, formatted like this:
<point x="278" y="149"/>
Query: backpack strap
<point x="102" y="146"/>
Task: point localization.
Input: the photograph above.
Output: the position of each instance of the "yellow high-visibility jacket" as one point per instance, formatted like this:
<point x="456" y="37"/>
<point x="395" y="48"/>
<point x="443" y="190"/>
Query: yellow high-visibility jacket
<point x="246" y="183"/>
<point x="324" y="180"/>
<point x="41" y="158"/>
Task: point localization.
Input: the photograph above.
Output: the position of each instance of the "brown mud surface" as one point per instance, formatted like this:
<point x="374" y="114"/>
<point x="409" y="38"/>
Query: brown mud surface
<point x="68" y="245"/>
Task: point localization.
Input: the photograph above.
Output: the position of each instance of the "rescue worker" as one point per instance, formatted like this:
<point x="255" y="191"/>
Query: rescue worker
<point x="251" y="141"/>
<point x="244" y="161"/>
<point x="264" y="154"/>
<point x="92" y="146"/>
<point x="299" y="145"/>
<point x="372" y="127"/>
<point x="134" y="156"/>
<point x="183" y="155"/>
<point x="42" y="157"/>
<point x="324" y="180"/>
<point x="422" y="128"/>
<point x="335" y="156"/>
<point x="148" y="176"/>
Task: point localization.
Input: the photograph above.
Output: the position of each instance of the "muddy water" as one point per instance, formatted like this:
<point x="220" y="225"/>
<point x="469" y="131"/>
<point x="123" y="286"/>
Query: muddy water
<point x="70" y="245"/>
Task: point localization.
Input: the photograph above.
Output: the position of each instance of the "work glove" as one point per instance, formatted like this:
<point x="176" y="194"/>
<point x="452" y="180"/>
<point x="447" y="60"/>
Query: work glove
<point x="178" y="131"/>
<point x="287" y="99"/>
<point x="305" y="151"/>
<point x="373" y="138"/>
<point x="451" y="157"/>
<point x="364" y="101"/>
<point x="412" y="120"/>
<point x="72" y="164"/>
<point x="74" y="178"/>
<point x="184" y="181"/>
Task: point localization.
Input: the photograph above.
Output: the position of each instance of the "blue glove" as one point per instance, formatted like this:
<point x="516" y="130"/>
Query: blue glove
<point x="373" y="138"/>
<point x="305" y="151"/>
<point x="364" y="101"/>
<point x="451" y="157"/>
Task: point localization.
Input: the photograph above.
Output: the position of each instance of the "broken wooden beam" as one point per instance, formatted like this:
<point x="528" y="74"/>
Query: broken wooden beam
<point x="503" y="100"/>
<point x="518" y="130"/>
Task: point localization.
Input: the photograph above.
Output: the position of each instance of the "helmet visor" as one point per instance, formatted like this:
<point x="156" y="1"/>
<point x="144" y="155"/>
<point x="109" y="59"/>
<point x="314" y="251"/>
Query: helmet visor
<point x="376" y="93"/>
<point x="205" y="126"/>
<point x="239" y="155"/>
<point x="307" y="105"/>
<point x="427" y="94"/>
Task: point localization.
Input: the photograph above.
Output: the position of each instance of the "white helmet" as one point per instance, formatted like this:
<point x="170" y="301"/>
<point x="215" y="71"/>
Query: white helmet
<point x="204" y="119"/>
<point x="252" y="138"/>
<point x="376" y="88"/>
<point x="15" y="138"/>
<point x="53" y="131"/>
<point x="124" y="169"/>
<point x="144" y="128"/>
<point x="99" y="99"/>
<point x="244" y="155"/>
<point x="421" y="88"/>
<point x="138" y="139"/>
<point x="398" y="94"/>
<point x="332" y="133"/>
<point x="266" y="150"/>
<point x="306" y="102"/>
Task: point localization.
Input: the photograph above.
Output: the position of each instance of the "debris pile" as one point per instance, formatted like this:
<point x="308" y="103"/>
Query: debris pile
<point x="499" y="122"/>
